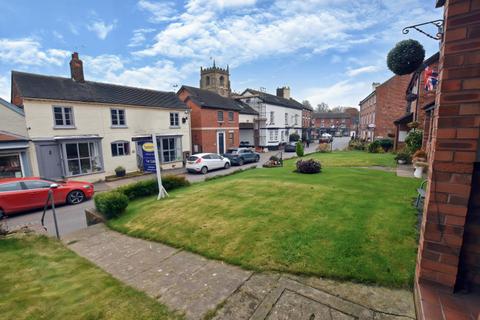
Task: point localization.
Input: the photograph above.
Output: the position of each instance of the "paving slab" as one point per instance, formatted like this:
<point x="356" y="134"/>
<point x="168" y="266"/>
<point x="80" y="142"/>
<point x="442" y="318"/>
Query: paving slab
<point x="199" y="287"/>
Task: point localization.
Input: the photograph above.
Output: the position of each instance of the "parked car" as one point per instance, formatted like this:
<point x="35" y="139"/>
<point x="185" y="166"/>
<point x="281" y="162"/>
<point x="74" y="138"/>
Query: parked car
<point x="240" y="156"/>
<point x="290" y="147"/>
<point x="23" y="194"/>
<point x="204" y="162"/>
<point x="326" y="138"/>
<point x="245" y="144"/>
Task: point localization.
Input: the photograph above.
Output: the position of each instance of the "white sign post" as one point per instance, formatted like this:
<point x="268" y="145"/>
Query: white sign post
<point x="162" y="193"/>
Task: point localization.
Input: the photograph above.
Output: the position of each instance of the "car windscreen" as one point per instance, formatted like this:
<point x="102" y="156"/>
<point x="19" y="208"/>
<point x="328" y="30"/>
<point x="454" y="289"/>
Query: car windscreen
<point x="192" y="158"/>
<point x="232" y="151"/>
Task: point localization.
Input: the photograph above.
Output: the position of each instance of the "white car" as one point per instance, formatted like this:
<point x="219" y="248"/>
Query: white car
<point x="204" y="162"/>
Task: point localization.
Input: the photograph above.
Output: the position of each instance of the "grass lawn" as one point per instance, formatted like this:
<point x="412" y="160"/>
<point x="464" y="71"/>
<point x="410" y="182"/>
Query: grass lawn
<point x="41" y="279"/>
<point x="345" y="223"/>
<point x="355" y="159"/>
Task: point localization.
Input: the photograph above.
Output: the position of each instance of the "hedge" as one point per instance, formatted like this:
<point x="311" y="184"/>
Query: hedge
<point x="106" y="202"/>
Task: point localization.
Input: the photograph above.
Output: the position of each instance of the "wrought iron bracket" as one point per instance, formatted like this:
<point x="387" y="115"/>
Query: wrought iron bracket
<point x="437" y="23"/>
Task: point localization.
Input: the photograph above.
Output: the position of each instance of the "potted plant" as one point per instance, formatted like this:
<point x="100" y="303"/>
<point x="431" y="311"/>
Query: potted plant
<point x="120" y="171"/>
<point x="402" y="157"/>
<point x="419" y="167"/>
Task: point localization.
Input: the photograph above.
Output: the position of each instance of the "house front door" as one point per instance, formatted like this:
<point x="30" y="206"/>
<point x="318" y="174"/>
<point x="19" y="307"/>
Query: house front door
<point x="49" y="161"/>
<point x="221" y="142"/>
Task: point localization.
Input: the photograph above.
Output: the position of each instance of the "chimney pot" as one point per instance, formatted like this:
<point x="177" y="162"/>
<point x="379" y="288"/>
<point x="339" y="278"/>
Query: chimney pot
<point x="76" y="68"/>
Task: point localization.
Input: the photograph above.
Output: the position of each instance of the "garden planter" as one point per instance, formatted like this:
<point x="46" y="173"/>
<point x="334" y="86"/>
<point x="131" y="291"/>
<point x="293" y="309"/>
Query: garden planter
<point x="120" y="173"/>
<point x="418" y="172"/>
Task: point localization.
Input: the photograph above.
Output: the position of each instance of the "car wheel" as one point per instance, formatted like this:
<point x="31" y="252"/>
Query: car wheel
<point x="257" y="158"/>
<point x="240" y="162"/>
<point x="75" y="197"/>
<point x="227" y="165"/>
<point x="204" y="170"/>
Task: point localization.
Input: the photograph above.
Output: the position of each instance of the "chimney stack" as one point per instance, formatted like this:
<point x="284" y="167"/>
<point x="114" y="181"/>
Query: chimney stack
<point x="375" y="85"/>
<point x="76" y="68"/>
<point x="283" y="92"/>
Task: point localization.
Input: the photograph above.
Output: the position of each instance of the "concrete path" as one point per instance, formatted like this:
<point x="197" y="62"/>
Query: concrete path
<point x="200" y="288"/>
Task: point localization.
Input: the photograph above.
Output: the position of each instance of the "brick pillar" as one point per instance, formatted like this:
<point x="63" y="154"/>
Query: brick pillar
<point x="455" y="141"/>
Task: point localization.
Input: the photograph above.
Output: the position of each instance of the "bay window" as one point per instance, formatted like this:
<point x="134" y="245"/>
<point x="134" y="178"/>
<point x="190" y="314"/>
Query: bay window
<point x="82" y="158"/>
<point x="170" y="149"/>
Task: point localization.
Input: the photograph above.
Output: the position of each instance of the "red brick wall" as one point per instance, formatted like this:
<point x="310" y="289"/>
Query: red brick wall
<point x="390" y="104"/>
<point x="454" y="147"/>
<point x="336" y="121"/>
<point x="204" y="124"/>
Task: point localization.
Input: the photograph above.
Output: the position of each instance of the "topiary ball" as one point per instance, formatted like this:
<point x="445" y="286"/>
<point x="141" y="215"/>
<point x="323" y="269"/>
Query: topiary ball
<point x="406" y="57"/>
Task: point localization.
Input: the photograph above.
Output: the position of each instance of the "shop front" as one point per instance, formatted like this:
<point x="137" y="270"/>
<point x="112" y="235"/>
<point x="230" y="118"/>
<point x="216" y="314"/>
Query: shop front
<point x="14" y="162"/>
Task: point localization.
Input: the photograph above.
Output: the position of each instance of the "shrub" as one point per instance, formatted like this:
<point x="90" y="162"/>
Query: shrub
<point x="374" y="147"/>
<point x="414" y="140"/>
<point x="324" y="147"/>
<point x="111" y="204"/>
<point x="308" y="166"/>
<point x="274" y="158"/>
<point x="299" y="149"/>
<point x="406" y="57"/>
<point x="150" y="187"/>
<point x="403" y="155"/>
<point x="386" y="144"/>
<point x="294" y="137"/>
<point x="356" y="144"/>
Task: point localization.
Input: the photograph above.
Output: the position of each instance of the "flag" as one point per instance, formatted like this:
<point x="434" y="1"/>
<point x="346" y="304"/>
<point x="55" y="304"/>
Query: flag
<point x="430" y="79"/>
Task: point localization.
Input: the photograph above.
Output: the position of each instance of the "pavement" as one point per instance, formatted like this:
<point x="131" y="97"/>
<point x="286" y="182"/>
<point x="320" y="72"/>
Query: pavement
<point x="72" y="218"/>
<point x="200" y="288"/>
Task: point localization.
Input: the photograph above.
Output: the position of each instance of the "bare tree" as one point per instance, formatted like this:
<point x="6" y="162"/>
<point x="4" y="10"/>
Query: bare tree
<point x="307" y="104"/>
<point x="322" y="107"/>
<point x="339" y="109"/>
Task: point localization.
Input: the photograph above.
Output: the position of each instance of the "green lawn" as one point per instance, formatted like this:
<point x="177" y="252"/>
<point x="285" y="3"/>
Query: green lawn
<point x="355" y="159"/>
<point x="346" y="223"/>
<point x="41" y="279"/>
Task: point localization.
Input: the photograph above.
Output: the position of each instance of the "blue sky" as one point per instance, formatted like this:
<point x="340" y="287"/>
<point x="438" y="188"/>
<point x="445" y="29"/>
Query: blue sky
<point x="325" y="50"/>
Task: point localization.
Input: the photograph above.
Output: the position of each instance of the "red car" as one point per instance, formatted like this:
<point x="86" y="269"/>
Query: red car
<point x="21" y="194"/>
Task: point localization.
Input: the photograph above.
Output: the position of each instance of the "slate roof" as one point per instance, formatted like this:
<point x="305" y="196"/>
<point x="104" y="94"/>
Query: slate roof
<point x="331" y="115"/>
<point x="246" y="109"/>
<point x="278" y="101"/>
<point x="407" y="118"/>
<point x="209" y="99"/>
<point x="38" y="86"/>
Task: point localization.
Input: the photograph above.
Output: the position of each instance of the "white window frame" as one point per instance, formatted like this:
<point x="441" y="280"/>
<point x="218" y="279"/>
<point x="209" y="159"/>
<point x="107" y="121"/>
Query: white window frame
<point x="177" y="148"/>
<point x="64" y="118"/>
<point x="117" y="116"/>
<point x="286" y="118"/>
<point x="96" y="155"/>
<point x="120" y="145"/>
<point x="272" y="117"/>
<point x="176" y="120"/>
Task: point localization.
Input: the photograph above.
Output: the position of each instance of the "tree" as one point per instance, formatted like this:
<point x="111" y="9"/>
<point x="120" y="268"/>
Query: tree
<point x="322" y="107"/>
<point x="307" y="104"/>
<point x="339" y="109"/>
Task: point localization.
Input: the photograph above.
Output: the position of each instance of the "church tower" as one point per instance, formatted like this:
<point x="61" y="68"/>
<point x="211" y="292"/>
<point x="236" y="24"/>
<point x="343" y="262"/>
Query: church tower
<point x="216" y="79"/>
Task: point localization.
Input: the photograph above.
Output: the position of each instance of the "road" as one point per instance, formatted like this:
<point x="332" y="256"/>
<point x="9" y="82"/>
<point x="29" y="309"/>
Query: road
<point x="72" y="218"/>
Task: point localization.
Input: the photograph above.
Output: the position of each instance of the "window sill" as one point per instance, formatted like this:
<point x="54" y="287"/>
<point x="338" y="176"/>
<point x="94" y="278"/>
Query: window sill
<point x="174" y="127"/>
<point x="64" y="127"/>
<point x="118" y="127"/>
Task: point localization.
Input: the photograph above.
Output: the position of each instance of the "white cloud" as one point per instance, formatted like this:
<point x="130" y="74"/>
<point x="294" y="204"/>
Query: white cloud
<point x="160" y="11"/>
<point x="57" y="35"/>
<point x="101" y="28"/>
<point x="343" y="93"/>
<point x="28" y="51"/>
<point x="161" y="75"/>
<point x="362" y="70"/>
<point x="5" y="88"/>
<point x="139" y="36"/>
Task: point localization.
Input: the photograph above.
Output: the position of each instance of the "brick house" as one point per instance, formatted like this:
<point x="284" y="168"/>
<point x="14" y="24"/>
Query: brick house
<point x="382" y="107"/>
<point x="447" y="279"/>
<point x="307" y="122"/>
<point x="214" y="119"/>
<point x="335" y="123"/>
<point x="420" y="102"/>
